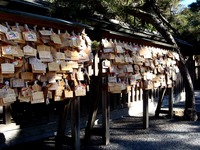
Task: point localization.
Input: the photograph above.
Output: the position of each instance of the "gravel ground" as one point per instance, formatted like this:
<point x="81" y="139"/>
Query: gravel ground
<point x="126" y="133"/>
<point x="162" y="134"/>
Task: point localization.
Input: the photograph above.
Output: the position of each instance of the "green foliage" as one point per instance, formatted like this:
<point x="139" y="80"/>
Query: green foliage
<point x="95" y="45"/>
<point x="185" y="20"/>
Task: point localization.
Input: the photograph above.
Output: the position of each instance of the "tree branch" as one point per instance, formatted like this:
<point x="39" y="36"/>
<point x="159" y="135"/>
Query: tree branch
<point x="154" y="20"/>
<point x="159" y="14"/>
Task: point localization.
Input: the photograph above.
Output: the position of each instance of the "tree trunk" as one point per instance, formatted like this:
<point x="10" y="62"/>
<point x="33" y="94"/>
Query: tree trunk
<point x="190" y="111"/>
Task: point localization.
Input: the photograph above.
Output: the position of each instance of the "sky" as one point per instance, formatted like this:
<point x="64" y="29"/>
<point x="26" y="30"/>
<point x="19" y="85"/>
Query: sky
<point x="187" y="2"/>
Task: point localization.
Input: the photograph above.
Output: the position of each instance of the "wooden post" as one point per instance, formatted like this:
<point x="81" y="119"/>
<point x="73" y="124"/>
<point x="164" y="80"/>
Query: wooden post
<point x="7" y="114"/>
<point x="96" y="98"/>
<point x="105" y="115"/>
<point x="146" y="109"/>
<point x="137" y="93"/>
<point x="162" y="93"/>
<point x="62" y="125"/>
<point x="140" y="93"/>
<point x="133" y="93"/>
<point x="75" y="122"/>
<point x="129" y="96"/>
<point x="114" y="99"/>
<point x="171" y="95"/>
<point x="124" y="97"/>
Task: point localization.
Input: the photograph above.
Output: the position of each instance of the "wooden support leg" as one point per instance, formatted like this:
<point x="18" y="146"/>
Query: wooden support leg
<point x="75" y="122"/>
<point x="140" y="93"/>
<point x="124" y="97"/>
<point x="105" y="118"/>
<point x="114" y="100"/>
<point x="133" y="94"/>
<point x="7" y="114"/>
<point x="62" y="125"/>
<point x="160" y="102"/>
<point x="129" y="97"/>
<point x="102" y="95"/>
<point x="93" y="113"/>
<point x="146" y="109"/>
<point x="171" y="91"/>
<point x="137" y="94"/>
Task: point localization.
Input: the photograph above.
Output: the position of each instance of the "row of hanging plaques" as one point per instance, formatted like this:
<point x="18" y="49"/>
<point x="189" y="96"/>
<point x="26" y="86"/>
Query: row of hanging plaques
<point x="130" y="64"/>
<point x="34" y="60"/>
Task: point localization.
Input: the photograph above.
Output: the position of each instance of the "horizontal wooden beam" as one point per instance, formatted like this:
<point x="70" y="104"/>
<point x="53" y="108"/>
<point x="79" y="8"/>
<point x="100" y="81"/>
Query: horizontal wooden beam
<point x="13" y="16"/>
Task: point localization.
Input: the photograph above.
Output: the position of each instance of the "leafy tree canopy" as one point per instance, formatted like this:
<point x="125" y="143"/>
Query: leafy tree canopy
<point x="187" y="23"/>
<point x="183" y="22"/>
